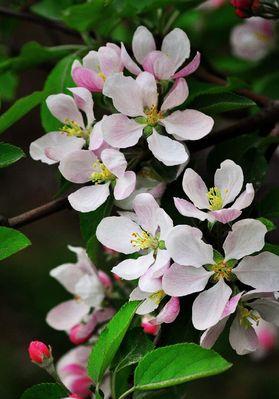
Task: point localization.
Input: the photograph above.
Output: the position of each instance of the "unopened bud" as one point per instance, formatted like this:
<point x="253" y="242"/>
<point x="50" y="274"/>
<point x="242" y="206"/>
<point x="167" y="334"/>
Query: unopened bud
<point x="105" y="279"/>
<point x="259" y="8"/>
<point x="149" y="328"/>
<point x="39" y="352"/>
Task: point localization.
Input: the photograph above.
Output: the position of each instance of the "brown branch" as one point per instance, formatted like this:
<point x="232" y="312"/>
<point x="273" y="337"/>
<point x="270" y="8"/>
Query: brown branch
<point x="203" y="74"/>
<point x="36" y="19"/>
<point x="37" y="213"/>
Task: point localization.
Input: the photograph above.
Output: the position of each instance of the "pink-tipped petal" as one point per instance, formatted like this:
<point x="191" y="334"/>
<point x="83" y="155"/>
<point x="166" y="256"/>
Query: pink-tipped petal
<point x="229" y="180"/>
<point x="176" y="96"/>
<point x="184" y="280"/>
<point x="115" y="161"/>
<point x="146" y="207"/>
<point x="120" y="131"/>
<point x="169" y="152"/>
<point x="131" y="269"/>
<point x="66" y="315"/>
<point x="84" y="101"/>
<point x="210" y="336"/>
<point x="77" y="166"/>
<point x="187" y="209"/>
<point x="96" y="139"/>
<point x="195" y="189"/>
<point x="188" y="124"/>
<point x="143" y="43"/>
<point x="225" y="215"/>
<point x="110" y="60"/>
<point x="87" y="78"/>
<point x="67" y="275"/>
<point x="128" y="62"/>
<point x="125" y="185"/>
<point x="89" y="198"/>
<point x="169" y="312"/>
<point x="176" y="45"/>
<point x="243" y="340"/>
<point x="189" y="68"/>
<point x="246" y="198"/>
<point x="64" y="108"/>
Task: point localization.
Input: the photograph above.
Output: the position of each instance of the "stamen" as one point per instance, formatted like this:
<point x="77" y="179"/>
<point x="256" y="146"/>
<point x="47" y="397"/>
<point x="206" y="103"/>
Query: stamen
<point x="221" y="270"/>
<point x="153" y="115"/>
<point x="144" y="240"/>
<point x="103" y="175"/>
<point x="73" y="129"/>
<point x="247" y="317"/>
<point x="102" y="75"/>
<point x="215" y="198"/>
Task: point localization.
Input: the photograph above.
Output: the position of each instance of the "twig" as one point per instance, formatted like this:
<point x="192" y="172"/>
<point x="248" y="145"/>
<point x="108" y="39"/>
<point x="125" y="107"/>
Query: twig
<point x="36" y="19"/>
<point x="37" y="213"/>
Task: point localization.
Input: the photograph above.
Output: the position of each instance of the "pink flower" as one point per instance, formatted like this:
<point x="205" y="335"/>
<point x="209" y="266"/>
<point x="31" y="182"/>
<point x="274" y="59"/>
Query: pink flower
<point x="253" y="39"/>
<point x="250" y="309"/>
<point x="83" y="166"/>
<point x="190" y="253"/>
<point x="83" y="282"/>
<point x="138" y="98"/>
<point x="267" y="335"/>
<point x="228" y="182"/>
<point x="54" y="146"/>
<point x="162" y="64"/>
<point x="147" y="327"/>
<point x="39" y="352"/>
<point x="141" y="232"/>
<point x="96" y="67"/>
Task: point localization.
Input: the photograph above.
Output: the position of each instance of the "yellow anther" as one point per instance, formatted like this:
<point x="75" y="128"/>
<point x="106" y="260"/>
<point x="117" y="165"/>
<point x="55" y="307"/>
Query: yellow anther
<point x="102" y="75"/>
<point x="246" y="317"/>
<point x="157" y="296"/>
<point x="73" y="129"/>
<point x="221" y="270"/>
<point x="262" y="37"/>
<point x="215" y="199"/>
<point x="144" y="240"/>
<point x="102" y="174"/>
<point x="153" y="115"/>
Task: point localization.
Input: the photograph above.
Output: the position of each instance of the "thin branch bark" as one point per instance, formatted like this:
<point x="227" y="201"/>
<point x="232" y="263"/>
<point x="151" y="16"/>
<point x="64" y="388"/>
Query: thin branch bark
<point x="36" y="19"/>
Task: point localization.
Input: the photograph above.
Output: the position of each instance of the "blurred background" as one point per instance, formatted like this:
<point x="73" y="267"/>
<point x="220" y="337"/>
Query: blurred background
<point x="27" y="292"/>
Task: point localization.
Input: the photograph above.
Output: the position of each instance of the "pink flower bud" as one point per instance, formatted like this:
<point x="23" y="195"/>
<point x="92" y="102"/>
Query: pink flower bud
<point x="38" y="351"/>
<point x="78" y="334"/>
<point x="116" y="278"/>
<point x="75" y="396"/>
<point x="148" y="327"/>
<point x="105" y="279"/>
<point x="109" y="251"/>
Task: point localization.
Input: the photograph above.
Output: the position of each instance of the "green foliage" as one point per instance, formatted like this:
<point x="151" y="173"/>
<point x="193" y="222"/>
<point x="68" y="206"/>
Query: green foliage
<point x="176" y="364"/>
<point x="57" y="82"/>
<point x="9" y="154"/>
<point x="45" y="391"/>
<point x="268" y="223"/>
<point x="11" y="241"/>
<point x="109" y="341"/>
<point x="20" y="108"/>
<point x="81" y="17"/>
<point x="50" y="9"/>
<point x="272" y="248"/>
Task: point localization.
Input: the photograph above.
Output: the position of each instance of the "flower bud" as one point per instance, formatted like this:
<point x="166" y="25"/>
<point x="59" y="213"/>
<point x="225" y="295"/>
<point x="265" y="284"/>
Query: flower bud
<point x="39" y="352"/>
<point x="260" y="8"/>
<point x="75" y="396"/>
<point x="148" y="327"/>
<point x="105" y="279"/>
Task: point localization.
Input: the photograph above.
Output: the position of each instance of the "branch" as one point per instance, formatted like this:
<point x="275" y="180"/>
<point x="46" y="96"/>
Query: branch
<point x="36" y="19"/>
<point x="203" y="74"/>
<point x="37" y="213"/>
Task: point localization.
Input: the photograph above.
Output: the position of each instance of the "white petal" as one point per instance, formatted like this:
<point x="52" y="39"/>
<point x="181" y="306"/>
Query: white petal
<point x="91" y="61"/>
<point x="176" y="45"/>
<point x="146" y="207"/>
<point x="242" y="340"/>
<point x="90" y="290"/>
<point x="96" y="139"/>
<point x="143" y="43"/>
<point x="225" y="215"/>
<point x="125" y="94"/>
<point x="67" y="275"/>
<point x="187" y="248"/>
<point x="184" y="280"/>
<point x="186" y="208"/>
<point x="77" y="166"/>
<point x="260" y="271"/>
<point x="169" y="312"/>
<point x="229" y="179"/>
<point x="188" y="124"/>
<point x="125" y="185"/>
<point x="165" y="223"/>
<point x="110" y="59"/>
<point x="120" y="131"/>
<point x="246" y="198"/>
<point x="209" y="305"/>
<point x="84" y="101"/>
<point x="89" y="198"/>
<point x="166" y="150"/>
<point x="177" y="95"/>
<point x="128" y="62"/>
<point x="149" y="283"/>
<point x="115" y="232"/>
<point x="246" y="237"/>
<point x="147" y="306"/>
<point x="64" y="108"/>
<point x="195" y="189"/>
<point x="115" y="161"/>
<point x="268" y="309"/>
<point x="138" y="295"/>
<point x="148" y="87"/>
<point x="66" y="315"/>
<point x="161" y="263"/>
<point x="210" y="336"/>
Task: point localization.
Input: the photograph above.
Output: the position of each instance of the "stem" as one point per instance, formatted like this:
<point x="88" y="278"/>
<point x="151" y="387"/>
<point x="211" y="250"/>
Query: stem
<point x="171" y="20"/>
<point x="125" y="394"/>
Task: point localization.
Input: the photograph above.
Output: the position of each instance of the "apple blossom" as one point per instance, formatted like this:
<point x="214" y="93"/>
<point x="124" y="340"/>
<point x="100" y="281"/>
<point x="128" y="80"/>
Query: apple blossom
<point x="138" y="99"/>
<point x="83" y="166"/>
<point x="82" y="281"/>
<point x="54" y="146"/>
<point x="162" y="64"/>
<point x="142" y="232"/>
<point x="253" y="39"/>
<point x="228" y="182"/>
<point x="250" y="309"/>
<point x="96" y="66"/>
<point x="190" y="253"/>
<point x="267" y="335"/>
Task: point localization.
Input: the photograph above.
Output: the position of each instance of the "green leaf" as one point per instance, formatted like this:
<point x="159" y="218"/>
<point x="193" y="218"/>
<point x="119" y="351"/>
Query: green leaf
<point x="8" y="84"/>
<point x="176" y="364"/>
<point x="81" y="17"/>
<point x="109" y="341"/>
<point x="57" y="82"/>
<point x="9" y="154"/>
<point x="11" y="241"/>
<point x="268" y="224"/>
<point x="45" y="391"/>
<point x="20" y="108"/>
<point x="269" y="206"/>
<point x="51" y="9"/>
<point x="217" y="103"/>
<point x="271" y="248"/>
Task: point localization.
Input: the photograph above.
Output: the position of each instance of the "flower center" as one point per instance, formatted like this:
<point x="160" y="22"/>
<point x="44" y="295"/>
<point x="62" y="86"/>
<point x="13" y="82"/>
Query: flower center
<point x="247" y="317"/>
<point x="221" y="270"/>
<point x="144" y="240"/>
<point x="73" y="129"/>
<point x="153" y="115"/>
<point x="215" y="198"/>
<point x="157" y="296"/>
<point x="102" y="175"/>
<point x="262" y="37"/>
<point x="102" y="75"/>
